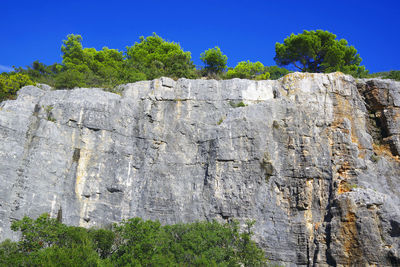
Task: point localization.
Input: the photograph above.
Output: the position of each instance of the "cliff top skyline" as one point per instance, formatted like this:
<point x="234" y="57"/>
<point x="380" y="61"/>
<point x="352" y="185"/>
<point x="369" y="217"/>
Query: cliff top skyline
<point x="34" y="30"/>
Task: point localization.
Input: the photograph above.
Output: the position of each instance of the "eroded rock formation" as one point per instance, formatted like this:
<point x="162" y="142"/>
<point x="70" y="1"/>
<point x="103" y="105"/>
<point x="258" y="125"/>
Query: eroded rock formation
<point x="313" y="158"/>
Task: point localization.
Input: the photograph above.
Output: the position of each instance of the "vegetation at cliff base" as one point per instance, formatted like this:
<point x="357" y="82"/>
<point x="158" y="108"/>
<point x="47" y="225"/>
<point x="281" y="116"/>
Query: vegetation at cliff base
<point x="134" y="242"/>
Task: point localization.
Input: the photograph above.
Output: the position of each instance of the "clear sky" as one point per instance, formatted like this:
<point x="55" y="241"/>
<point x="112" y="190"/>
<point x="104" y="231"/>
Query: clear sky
<point x="244" y="30"/>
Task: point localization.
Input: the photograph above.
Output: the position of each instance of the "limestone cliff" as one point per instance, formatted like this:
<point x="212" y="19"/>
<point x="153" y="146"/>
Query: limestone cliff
<point x="313" y="158"/>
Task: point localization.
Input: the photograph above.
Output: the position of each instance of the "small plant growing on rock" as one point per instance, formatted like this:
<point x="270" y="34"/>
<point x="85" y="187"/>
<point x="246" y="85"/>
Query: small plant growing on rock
<point x="220" y="121"/>
<point x="375" y="158"/>
<point x="49" y="115"/>
<point x="237" y="105"/>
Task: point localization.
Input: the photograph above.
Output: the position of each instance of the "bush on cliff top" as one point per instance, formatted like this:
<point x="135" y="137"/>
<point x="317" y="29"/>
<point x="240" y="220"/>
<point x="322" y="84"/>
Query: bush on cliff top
<point x="248" y="70"/>
<point x="394" y="75"/>
<point x="153" y="57"/>
<point x="156" y="57"/>
<point x="214" y="61"/>
<point x="134" y="242"/>
<point x="11" y="83"/>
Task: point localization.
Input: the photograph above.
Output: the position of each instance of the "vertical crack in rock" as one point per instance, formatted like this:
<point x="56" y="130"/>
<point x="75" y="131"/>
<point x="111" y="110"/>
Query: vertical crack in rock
<point x="383" y="103"/>
<point x="330" y="260"/>
<point x="345" y="145"/>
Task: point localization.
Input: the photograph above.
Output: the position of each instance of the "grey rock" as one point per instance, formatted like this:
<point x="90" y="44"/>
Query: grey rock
<point x="44" y="87"/>
<point x="311" y="157"/>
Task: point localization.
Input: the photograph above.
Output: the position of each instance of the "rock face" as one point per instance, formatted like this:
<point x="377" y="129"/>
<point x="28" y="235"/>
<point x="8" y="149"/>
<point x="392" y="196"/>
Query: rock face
<point x="313" y="158"/>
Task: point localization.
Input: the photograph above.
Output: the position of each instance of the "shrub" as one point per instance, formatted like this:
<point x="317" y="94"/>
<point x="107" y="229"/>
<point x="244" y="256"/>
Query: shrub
<point x="394" y="75"/>
<point x="237" y="105"/>
<point x="248" y="70"/>
<point x="276" y="72"/>
<point x="134" y="242"/>
<point x="11" y="83"/>
<point x="214" y="60"/>
<point x="156" y="57"/>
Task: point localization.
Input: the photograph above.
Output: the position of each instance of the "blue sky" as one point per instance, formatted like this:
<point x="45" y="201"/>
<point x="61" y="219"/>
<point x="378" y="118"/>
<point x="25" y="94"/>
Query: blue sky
<point x="244" y="30"/>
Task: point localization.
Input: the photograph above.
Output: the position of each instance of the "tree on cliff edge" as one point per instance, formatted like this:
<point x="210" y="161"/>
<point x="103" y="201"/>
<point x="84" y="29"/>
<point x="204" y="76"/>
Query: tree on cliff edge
<point x="156" y="57"/>
<point x="214" y="60"/>
<point x="319" y="51"/>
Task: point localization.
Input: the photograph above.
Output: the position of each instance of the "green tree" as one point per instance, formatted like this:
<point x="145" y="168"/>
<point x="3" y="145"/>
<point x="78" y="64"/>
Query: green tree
<point x="76" y="72"/>
<point x="194" y="244"/>
<point x="89" y="67"/>
<point x="134" y="242"/>
<point x="248" y="70"/>
<point x="276" y="72"/>
<point x="41" y="73"/>
<point x="66" y="256"/>
<point x="319" y="51"/>
<point x="11" y="83"/>
<point x="156" y="57"/>
<point x="103" y="241"/>
<point x="69" y="79"/>
<point x="47" y="242"/>
<point x="10" y="254"/>
<point x="72" y="50"/>
<point x="40" y="233"/>
<point x="138" y="242"/>
<point x="214" y="60"/>
<point x="394" y="75"/>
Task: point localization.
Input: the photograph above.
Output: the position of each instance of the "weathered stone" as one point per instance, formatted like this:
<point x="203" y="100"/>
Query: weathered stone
<point x="306" y="156"/>
<point x="383" y="100"/>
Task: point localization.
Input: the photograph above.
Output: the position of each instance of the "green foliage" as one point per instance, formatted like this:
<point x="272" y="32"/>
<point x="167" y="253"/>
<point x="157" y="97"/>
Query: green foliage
<point x="40" y="233"/>
<point x="103" y="241"/>
<point x="195" y="244"/>
<point x="11" y="83"/>
<point x="49" y="115"/>
<point x="394" y="75"/>
<point x="156" y="57"/>
<point x="248" y="70"/>
<point x="319" y="51"/>
<point x="42" y="73"/>
<point x="74" y="255"/>
<point x="47" y="242"/>
<point x="257" y="71"/>
<point x="69" y="79"/>
<point x="378" y="74"/>
<point x="9" y="253"/>
<point x="72" y="50"/>
<point x="237" y="105"/>
<point x="89" y="67"/>
<point x="264" y="76"/>
<point x="374" y="158"/>
<point x="276" y="72"/>
<point x="153" y="57"/>
<point x="214" y="60"/>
